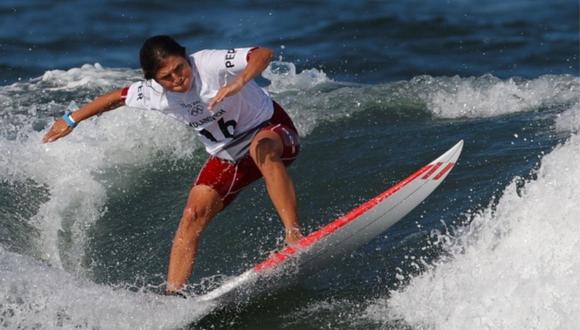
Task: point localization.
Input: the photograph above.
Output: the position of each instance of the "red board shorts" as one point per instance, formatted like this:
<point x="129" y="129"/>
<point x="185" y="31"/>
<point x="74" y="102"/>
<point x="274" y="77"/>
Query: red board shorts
<point x="228" y="178"/>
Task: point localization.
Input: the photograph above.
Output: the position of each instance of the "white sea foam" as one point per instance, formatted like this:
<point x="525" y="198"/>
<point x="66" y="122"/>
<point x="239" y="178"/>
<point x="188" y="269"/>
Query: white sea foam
<point x="488" y="96"/>
<point x="284" y="77"/>
<point x="36" y="296"/>
<point x="68" y="167"/>
<point x="569" y="120"/>
<point x="311" y="97"/>
<point x="515" y="266"/>
<point x="57" y="293"/>
<point x="92" y="76"/>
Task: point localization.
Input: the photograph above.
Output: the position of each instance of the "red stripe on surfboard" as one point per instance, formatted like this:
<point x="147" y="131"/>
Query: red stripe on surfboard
<point x="426" y="176"/>
<point x="445" y="170"/>
<point x="279" y="257"/>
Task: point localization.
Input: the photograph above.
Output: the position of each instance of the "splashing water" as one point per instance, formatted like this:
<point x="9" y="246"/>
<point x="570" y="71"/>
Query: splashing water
<point x="513" y="267"/>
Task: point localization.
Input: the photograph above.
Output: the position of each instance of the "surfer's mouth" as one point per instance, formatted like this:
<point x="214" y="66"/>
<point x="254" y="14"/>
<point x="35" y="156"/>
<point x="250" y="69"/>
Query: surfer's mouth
<point x="181" y="85"/>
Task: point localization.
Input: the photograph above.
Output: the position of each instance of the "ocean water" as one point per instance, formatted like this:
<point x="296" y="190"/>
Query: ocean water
<point x="376" y="89"/>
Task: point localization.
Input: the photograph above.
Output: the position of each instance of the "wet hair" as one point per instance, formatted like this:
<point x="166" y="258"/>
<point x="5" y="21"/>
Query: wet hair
<point x="155" y="50"/>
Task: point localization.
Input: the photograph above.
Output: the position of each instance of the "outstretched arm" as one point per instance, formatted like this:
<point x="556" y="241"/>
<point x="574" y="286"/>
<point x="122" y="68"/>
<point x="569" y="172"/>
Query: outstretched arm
<point x="106" y="102"/>
<point x="258" y="61"/>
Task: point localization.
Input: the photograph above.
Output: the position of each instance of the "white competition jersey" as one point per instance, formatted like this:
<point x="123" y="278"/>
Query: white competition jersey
<point x="228" y="120"/>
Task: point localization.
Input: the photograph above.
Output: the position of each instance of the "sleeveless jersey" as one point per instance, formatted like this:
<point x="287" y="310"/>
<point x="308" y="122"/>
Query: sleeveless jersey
<point x="230" y="120"/>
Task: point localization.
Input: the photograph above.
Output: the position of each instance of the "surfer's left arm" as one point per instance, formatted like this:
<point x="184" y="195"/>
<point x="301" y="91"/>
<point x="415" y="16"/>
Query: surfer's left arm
<point x="106" y="102"/>
<point x="258" y="60"/>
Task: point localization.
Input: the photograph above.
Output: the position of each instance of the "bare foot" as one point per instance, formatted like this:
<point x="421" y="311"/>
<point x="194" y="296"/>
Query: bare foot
<point x="293" y="236"/>
<point x="175" y="293"/>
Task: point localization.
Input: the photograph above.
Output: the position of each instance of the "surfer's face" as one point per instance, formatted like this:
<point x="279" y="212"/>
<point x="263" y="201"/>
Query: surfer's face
<point x="174" y="74"/>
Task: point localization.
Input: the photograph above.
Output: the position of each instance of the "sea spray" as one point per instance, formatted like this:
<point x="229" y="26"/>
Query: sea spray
<point x="512" y="267"/>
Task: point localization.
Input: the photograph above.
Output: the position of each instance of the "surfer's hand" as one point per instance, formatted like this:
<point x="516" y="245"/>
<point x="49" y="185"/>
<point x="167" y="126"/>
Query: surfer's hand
<point x="59" y="129"/>
<point x="227" y="90"/>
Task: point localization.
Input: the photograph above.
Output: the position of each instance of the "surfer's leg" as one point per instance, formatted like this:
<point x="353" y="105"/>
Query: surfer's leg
<point x="266" y="151"/>
<point x="202" y="205"/>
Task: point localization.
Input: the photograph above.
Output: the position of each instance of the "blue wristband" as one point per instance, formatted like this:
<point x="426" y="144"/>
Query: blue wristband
<point x="68" y="120"/>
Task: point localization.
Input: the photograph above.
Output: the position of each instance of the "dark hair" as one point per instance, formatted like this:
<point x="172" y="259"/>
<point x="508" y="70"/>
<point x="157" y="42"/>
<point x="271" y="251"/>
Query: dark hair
<point x="155" y="50"/>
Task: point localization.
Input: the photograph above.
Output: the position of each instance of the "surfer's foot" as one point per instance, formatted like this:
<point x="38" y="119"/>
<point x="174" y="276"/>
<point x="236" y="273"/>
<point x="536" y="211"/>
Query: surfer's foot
<point x="293" y="236"/>
<point x="175" y="293"/>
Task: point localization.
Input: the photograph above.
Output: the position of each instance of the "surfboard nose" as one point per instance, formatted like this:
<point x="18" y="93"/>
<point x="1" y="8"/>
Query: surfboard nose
<point x="450" y="155"/>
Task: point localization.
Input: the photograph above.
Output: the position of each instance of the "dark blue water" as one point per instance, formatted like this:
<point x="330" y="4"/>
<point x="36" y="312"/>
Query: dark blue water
<point x="377" y="89"/>
<point x="366" y="42"/>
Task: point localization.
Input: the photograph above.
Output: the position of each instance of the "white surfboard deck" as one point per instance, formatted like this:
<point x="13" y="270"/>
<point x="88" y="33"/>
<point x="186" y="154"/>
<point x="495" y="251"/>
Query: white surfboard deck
<point x="343" y="235"/>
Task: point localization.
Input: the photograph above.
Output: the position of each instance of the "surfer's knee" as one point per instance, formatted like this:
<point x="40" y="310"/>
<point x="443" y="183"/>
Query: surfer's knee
<point x="195" y="217"/>
<point x="202" y="205"/>
<point x="192" y="214"/>
<point x="266" y="151"/>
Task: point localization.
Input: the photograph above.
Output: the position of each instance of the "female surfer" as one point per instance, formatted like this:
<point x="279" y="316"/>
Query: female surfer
<point x="245" y="132"/>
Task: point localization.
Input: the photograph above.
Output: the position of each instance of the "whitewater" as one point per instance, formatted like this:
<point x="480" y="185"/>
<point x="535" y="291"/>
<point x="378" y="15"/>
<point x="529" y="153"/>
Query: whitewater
<point x="514" y="265"/>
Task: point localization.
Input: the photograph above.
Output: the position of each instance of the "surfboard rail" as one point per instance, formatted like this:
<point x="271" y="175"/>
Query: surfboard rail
<point x="437" y="170"/>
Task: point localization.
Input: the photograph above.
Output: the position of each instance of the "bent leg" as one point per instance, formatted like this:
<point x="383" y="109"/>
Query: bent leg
<point x="202" y="205"/>
<point x="266" y="150"/>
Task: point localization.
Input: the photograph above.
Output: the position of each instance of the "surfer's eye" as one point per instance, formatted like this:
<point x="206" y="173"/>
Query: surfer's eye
<point x="175" y="72"/>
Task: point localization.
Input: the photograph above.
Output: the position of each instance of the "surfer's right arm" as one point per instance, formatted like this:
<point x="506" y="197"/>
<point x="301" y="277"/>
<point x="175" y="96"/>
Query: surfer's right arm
<point x="106" y="102"/>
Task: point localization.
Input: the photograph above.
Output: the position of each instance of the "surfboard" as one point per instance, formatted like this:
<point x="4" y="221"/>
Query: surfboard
<point x="342" y="235"/>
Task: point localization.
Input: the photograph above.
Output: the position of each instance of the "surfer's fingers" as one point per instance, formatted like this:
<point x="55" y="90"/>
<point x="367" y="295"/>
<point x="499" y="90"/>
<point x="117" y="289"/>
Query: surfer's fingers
<point x="227" y="90"/>
<point x="59" y="129"/>
<point x="49" y="136"/>
<point x="222" y="93"/>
